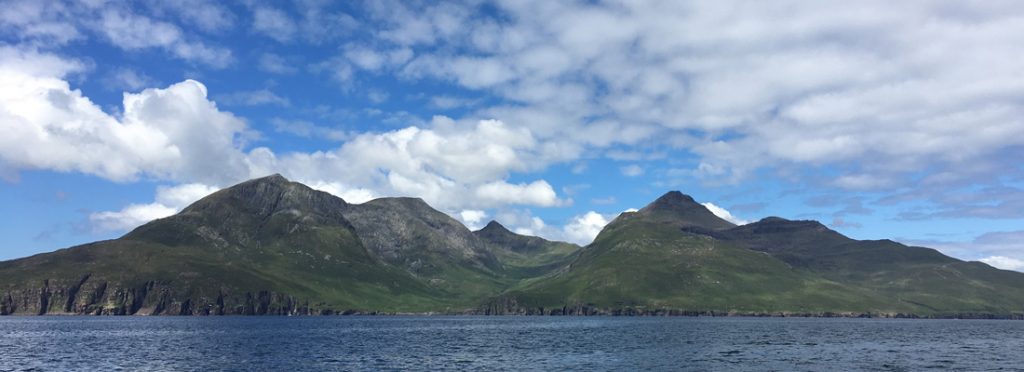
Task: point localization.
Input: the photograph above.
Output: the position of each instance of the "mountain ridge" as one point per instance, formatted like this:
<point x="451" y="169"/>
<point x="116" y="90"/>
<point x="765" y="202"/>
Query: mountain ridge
<point x="272" y="246"/>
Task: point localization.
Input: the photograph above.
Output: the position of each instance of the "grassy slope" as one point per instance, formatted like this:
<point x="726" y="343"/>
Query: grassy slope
<point x="922" y="279"/>
<point x="279" y="237"/>
<point x="409" y="235"/>
<point x="321" y="264"/>
<point x="273" y="235"/>
<point x="523" y="257"/>
<point x="638" y="263"/>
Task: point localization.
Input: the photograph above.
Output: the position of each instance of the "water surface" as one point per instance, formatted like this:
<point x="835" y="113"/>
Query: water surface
<point x="520" y="343"/>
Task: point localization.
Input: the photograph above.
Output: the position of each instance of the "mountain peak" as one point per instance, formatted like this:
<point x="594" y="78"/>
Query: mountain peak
<point x="276" y="178"/>
<point x="269" y="194"/>
<point x="495" y="227"/>
<point x="675" y="197"/>
<point x="682" y="209"/>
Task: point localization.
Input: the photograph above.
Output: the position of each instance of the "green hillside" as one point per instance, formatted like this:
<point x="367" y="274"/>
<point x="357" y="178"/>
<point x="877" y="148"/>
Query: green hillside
<point x="271" y="246"/>
<point x="676" y="256"/>
<point x="266" y="246"/>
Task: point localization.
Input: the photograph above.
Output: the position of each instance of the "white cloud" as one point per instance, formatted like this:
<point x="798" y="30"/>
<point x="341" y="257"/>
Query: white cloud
<point x="273" y="23"/>
<point x="165" y="133"/>
<point x="537" y="193"/>
<point x="347" y="193"/>
<point x="129" y="79"/>
<point x="473" y="218"/>
<point x="584" y="228"/>
<point x="1002" y="249"/>
<point x="133" y="31"/>
<point x="879" y="91"/>
<point x="373" y="60"/>
<point x="178" y="134"/>
<point x="180" y="196"/>
<point x="38" y="22"/>
<point x="448" y="102"/>
<point x="129" y="217"/>
<point x="452" y="165"/>
<point x="1005" y="263"/>
<point x="307" y="129"/>
<point x="169" y="200"/>
<point x="253" y="98"/>
<point x="724" y="214"/>
<point x="632" y="170"/>
<point x="276" y="64"/>
<point x="209" y="16"/>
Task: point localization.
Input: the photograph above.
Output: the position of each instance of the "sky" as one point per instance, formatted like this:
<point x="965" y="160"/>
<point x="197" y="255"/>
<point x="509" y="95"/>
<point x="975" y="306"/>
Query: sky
<point x="883" y="120"/>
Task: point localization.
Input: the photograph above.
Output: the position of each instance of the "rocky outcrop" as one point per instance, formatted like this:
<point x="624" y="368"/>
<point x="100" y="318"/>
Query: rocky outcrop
<point x="509" y="306"/>
<point x="98" y="297"/>
<point x="410" y="234"/>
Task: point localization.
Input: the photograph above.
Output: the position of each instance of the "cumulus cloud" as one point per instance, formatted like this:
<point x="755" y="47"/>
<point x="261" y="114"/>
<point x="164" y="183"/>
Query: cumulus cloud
<point x="724" y="214"/>
<point x="871" y="95"/>
<point x="129" y="217"/>
<point x="348" y="193"/>
<point x="523" y="222"/>
<point x="584" y="228"/>
<point x="537" y="193"/>
<point x="178" y="134"/>
<point x="452" y="165"/>
<point x="473" y="218"/>
<point x="579" y="229"/>
<point x="169" y="200"/>
<point x="165" y="133"/>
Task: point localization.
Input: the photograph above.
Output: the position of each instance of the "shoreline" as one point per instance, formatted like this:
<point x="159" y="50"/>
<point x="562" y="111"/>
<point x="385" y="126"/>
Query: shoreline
<point x="708" y="314"/>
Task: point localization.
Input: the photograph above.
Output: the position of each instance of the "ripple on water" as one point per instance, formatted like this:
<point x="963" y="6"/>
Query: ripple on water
<point x="488" y="343"/>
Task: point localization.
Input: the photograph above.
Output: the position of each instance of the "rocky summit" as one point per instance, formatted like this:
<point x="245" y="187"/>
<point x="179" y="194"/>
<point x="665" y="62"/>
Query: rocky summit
<point x="270" y="246"/>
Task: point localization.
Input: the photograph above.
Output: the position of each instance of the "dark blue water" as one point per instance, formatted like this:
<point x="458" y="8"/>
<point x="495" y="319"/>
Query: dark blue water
<point x="519" y="343"/>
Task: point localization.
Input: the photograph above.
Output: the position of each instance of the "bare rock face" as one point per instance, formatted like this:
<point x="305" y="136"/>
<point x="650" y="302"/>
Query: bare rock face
<point x="408" y="233"/>
<point x="91" y="296"/>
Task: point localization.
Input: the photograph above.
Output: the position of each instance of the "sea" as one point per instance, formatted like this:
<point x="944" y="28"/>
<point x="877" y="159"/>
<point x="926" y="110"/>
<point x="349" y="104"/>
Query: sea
<point x="519" y="343"/>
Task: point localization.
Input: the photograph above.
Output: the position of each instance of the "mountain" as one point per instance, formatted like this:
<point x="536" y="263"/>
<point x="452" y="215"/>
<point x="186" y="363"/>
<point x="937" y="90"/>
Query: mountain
<point x="265" y="246"/>
<point x="916" y="279"/>
<point x="662" y="258"/>
<point x="675" y="256"/>
<point x="524" y="256"/>
<point x="680" y="210"/>
<point x="272" y="246"/>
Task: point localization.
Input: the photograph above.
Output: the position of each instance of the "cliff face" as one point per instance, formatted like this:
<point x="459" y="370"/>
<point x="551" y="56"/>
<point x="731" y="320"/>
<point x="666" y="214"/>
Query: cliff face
<point x="99" y="297"/>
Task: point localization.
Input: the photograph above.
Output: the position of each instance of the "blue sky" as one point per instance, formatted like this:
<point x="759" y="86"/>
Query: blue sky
<point x="899" y="121"/>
